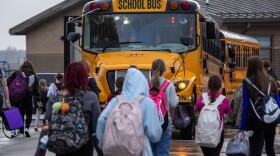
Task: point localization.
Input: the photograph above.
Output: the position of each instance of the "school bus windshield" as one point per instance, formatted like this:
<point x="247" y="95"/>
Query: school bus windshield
<point x="141" y="32"/>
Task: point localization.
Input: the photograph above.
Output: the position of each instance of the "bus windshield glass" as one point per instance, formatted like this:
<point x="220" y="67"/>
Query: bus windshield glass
<point x="138" y="32"/>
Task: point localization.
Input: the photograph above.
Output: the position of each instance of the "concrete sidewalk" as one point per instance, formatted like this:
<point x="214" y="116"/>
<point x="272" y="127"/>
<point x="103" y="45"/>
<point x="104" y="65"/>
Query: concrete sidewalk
<point x="27" y="146"/>
<point x="20" y="146"/>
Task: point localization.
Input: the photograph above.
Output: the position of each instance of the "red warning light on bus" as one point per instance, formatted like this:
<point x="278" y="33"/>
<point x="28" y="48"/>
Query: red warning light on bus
<point x="172" y="20"/>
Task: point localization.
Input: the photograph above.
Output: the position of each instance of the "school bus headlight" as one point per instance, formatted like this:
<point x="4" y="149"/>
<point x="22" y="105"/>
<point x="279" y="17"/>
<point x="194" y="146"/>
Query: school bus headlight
<point x="181" y="85"/>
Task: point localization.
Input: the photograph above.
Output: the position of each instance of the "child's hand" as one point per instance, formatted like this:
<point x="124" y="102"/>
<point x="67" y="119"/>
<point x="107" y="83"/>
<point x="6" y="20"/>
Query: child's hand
<point x="39" y="104"/>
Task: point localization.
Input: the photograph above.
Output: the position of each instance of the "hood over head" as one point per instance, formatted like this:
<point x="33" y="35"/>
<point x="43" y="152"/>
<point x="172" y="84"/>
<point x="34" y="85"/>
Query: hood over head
<point x="135" y="84"/>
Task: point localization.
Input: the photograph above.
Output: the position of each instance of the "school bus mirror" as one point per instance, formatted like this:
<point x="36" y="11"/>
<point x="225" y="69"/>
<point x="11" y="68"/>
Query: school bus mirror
<point x="73" y="36"/>
<point x="172" y="69"/>
<point x="201" y="18"/>
<point x="187" y="40"/>
<point x="96" y="69"/>
<point x="223" y="59"/>
<point x="231" y="52"/>
<point x="231" y="65"/>
<point x="210" y="30"/>
<point x="70" y="27"/>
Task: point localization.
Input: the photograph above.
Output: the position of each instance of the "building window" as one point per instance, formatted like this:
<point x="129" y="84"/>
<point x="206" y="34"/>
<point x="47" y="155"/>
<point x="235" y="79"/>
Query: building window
<point x="266" y="46"/>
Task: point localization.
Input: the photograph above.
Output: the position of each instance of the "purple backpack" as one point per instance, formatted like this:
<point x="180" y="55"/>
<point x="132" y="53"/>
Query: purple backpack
<point x="17" y="88"/>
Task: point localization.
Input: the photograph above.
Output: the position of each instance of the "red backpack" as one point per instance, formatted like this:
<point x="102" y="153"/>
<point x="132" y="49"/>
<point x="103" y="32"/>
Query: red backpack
<point x="159" y="98"/>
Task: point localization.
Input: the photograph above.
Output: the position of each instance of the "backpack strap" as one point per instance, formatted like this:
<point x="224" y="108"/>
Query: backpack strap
<point x="254" y="109"/>
<point x="219" y="100"/>
<point x="164" y="85"/>
<point x="205" y="98"/>
<point x="268" y="90"/>
<point x="256" y="87"/>
<point x="139" y="98"/>
<point x="120" y="97"/>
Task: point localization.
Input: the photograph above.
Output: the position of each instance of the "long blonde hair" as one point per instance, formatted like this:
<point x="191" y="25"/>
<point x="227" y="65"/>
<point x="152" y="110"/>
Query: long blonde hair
<point x="43" y="85"/>
<point x="158" y="68"/>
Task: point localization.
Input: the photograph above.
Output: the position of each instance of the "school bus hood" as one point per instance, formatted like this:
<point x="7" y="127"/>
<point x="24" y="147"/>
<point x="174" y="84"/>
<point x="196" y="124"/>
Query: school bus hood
<point x="122" y="60"/>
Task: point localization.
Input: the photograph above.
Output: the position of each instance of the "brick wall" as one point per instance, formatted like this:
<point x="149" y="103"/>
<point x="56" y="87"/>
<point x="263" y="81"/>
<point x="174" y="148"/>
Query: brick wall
<point x="276" y="61"/>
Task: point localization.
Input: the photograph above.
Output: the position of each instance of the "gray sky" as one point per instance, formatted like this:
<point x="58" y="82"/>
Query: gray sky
<point x="13" y="12"/>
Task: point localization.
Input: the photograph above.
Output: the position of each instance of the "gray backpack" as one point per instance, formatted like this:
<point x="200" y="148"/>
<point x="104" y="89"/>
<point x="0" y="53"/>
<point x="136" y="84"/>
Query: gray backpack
<point x="68" y="131"/>
<point x="123" y="130"/>
<point x="209" y="125"/>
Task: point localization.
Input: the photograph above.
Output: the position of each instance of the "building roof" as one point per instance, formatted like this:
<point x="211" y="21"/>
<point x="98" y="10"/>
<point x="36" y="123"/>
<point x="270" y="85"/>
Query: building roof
<point x="227" y="11"/>
<point x="43" y="17"/>
<point x="242" y="8"/>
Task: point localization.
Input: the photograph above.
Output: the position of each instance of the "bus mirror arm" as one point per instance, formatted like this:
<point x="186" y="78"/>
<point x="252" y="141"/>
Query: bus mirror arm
<point x="188" y="41"/>
<point x="84" y="55"/>
<point x="182" y="56"/>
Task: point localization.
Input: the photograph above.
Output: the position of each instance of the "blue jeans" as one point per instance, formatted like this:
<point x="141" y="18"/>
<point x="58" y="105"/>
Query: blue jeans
<point x="161" y="148"/>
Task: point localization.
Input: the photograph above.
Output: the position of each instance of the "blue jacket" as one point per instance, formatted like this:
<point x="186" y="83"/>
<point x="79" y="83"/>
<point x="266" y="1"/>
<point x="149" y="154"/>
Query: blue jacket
<point x="135" y="84"/>
<point x="246" y="104"/>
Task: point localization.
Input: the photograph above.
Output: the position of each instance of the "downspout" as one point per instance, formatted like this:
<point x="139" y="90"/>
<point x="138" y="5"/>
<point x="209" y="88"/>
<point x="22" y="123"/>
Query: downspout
<point x="248" y="26"/>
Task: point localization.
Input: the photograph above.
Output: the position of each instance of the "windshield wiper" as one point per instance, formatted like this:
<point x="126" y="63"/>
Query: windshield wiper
<point x="113" y="43"/>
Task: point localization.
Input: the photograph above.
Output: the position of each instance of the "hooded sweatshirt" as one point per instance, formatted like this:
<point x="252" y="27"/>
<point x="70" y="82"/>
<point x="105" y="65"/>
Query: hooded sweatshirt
<point x="135" y="84"/>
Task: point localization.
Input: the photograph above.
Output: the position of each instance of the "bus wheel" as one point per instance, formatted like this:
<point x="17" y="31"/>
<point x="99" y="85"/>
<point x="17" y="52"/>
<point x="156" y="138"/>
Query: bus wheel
<point x="188" y="132"/>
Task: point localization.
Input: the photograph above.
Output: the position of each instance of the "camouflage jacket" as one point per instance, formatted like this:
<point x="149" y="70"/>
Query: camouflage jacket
<point x="236" y="106"/>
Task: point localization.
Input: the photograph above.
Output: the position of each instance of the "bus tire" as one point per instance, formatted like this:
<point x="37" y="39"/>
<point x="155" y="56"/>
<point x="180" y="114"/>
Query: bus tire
<point x="188" y="132"/>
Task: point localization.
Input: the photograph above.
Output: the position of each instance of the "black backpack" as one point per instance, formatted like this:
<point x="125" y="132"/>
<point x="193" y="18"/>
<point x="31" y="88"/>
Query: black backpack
<point x="181" y="118"/>
<point x="68" y="132"/>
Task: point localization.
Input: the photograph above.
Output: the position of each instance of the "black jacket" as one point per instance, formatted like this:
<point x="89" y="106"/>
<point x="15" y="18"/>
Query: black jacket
<point x="93" y="86"/>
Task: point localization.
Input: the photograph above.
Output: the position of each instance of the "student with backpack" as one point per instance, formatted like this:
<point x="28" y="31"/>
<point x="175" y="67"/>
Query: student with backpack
<point x="41" y="107"/>
<point x="4" y="90"/>
<point x="209" y="134"/>
<point x="162" y="91"/>
<point x="72" y="121"/>
<point x="257" y="86"/>
<point x="119" y="84"/>
<point x="23" y="85"/>
<point x="136" y="120"/>
<point x="57" y="86"/>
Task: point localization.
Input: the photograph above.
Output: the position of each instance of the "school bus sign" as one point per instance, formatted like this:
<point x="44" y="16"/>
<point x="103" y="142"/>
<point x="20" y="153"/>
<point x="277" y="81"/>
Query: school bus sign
<point x="139" y="5"/>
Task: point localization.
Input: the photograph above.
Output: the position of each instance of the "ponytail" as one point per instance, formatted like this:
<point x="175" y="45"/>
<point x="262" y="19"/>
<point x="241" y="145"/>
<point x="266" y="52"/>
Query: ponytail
<point x="214" y="84"/>
<point x="155" y="79"/>
<point x="212" y="96"/>
<point x="158" y="68"/>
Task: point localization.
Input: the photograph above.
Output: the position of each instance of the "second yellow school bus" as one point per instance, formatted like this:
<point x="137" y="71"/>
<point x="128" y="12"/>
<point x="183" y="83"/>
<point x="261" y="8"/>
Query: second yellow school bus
<point x="119" y="33"/>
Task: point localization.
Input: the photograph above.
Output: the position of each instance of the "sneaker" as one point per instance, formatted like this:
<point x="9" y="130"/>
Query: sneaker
<point x="26" y="131"/>
<point x="35" y="128"/>
<point x="13" y="134"/>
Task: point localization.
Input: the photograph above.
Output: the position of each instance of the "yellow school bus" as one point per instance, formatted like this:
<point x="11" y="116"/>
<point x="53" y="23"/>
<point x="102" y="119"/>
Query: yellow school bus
<point x="119" y="33"/>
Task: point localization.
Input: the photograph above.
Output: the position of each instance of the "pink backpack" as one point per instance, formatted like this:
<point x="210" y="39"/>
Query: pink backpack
<point x="159" y="99"/>
<point x="123" y="130"/>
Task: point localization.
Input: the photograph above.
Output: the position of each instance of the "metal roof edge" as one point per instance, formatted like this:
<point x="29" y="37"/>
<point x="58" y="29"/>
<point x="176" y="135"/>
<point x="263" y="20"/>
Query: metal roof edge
<point x="250" y="20"/>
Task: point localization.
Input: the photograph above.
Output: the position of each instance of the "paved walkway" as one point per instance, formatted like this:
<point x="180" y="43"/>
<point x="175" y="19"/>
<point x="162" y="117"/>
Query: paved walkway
<point x="27" y="146"/>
